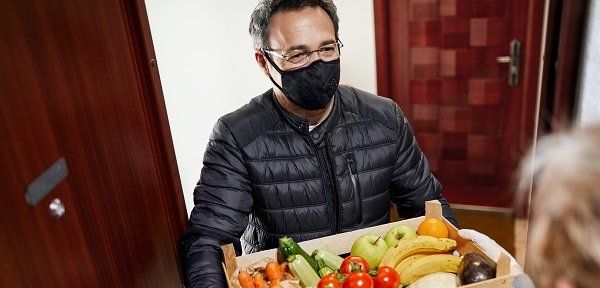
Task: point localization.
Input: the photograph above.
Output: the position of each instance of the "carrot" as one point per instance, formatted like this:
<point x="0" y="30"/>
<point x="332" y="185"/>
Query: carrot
<point x="245" y="280"/>
<point x="259" y="281"/>
<point x="274" y="272"/>
<point x="284" y="267"/>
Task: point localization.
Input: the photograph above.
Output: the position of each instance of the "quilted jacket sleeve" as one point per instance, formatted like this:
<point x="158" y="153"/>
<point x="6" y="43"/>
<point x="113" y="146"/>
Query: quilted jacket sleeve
<point x="223" y="202"/>
<point x="412" y="182"/>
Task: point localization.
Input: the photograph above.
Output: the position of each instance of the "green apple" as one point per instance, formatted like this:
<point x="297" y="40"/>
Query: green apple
<point x="369" y="247"/>
<point x="399" y="232"/>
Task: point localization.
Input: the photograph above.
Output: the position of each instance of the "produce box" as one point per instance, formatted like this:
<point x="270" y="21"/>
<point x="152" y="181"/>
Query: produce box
<point x="341" y="244"/>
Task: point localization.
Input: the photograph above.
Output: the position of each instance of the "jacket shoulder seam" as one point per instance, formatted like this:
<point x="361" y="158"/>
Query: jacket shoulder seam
<point x="258" y="135"/>
<point x="348" y="109"/>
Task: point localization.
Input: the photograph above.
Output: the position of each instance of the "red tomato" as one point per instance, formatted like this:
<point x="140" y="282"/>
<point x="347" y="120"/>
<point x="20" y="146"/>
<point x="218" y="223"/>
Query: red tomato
<point x="353" y="264"/>
<point x="387" y="277"/>
<point x="329" y="281"/>
<point x="359" y="280"/>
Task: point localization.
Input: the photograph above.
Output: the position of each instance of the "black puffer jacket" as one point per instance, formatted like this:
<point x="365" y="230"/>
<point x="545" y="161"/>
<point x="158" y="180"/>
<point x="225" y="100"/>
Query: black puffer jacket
<point x="265" y="176"/>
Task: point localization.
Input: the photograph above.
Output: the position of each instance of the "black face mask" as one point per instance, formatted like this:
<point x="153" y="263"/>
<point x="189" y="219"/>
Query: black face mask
<point x="310" y="87"/>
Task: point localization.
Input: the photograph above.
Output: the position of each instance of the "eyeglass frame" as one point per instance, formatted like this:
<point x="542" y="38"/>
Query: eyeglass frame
<point x="307" y="54"/>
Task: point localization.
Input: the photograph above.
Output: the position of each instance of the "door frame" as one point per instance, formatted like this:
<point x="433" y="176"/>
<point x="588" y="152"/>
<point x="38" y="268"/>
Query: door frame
<point x="559" y="79"/>
<point x="150" y="82"/>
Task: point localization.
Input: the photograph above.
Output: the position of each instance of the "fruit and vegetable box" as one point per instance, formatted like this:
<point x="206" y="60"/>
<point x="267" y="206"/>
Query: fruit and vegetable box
<point x="422" y="252"/>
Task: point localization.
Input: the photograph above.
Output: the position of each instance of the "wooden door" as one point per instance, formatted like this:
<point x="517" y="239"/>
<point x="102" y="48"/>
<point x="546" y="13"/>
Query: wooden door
<point x="437" y="60"/>
<point x="79" y="82"/>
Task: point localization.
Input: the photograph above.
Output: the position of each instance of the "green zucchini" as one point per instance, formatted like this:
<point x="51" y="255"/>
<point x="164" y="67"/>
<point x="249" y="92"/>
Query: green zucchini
<point x="323" y="269"/>
<point x="303" y="271"/>
<point x="288" y="247"/>
<point x="331" y="260"/>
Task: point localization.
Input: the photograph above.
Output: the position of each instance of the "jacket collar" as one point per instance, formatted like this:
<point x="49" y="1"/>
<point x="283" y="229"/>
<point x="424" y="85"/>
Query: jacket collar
<point x="301" y="125"/>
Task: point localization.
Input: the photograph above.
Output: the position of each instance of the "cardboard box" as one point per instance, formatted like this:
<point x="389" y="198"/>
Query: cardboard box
<point x="342" y="243"/>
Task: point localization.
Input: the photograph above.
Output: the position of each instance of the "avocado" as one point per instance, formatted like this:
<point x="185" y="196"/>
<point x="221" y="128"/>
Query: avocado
<point x="474" y="268"/>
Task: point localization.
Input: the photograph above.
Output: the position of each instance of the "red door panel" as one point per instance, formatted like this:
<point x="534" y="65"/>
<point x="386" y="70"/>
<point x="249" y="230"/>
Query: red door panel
<point x="437" y="60"/>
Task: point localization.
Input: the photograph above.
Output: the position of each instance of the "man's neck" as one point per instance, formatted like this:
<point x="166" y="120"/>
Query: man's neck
<point x="313" y="117"/>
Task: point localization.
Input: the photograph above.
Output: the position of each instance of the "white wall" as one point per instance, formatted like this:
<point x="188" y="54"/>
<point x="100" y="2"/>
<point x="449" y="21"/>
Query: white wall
<point x="207" y="66"/>
<point x="589" y="97"/>
<point x="357" y="32"/>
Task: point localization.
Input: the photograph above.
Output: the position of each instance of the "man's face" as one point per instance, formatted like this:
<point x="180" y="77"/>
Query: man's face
<point x="307" y="29"/>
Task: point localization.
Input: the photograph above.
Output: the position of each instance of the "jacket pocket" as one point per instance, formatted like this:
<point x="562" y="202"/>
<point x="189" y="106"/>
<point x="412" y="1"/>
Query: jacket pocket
<point x="351" y="161"/>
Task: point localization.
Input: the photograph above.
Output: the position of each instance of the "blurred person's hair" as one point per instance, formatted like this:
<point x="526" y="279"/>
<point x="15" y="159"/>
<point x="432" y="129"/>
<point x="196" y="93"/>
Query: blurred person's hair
<point x="564" y="234"/>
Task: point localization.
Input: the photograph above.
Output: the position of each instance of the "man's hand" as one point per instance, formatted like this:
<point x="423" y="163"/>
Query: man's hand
<point x="490" y="247"/>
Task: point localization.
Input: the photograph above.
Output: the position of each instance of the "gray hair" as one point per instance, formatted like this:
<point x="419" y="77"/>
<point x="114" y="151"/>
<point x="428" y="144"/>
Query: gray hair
<point x="564" y="234"/>
<point x="266" y="9"/>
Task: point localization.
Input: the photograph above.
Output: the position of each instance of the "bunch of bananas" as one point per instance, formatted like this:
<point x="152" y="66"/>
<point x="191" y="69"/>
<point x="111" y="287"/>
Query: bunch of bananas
<point x="416" y="257"/>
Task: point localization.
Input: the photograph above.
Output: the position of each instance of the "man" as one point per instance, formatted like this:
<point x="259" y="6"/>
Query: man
<point x="305" y="159"/>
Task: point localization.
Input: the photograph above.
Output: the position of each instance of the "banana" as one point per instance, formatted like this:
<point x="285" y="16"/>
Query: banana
<point x="407" y="261"/>
<point x="418" y="245"/>
<point x="427" y="265"/>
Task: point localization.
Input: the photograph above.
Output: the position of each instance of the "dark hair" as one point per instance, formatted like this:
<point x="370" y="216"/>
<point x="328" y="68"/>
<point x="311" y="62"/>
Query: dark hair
<point x="264" y="11"/>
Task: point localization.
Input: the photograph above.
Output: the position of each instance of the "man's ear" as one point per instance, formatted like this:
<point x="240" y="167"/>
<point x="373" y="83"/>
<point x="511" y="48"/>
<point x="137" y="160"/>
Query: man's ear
<point x="262" y="62"/>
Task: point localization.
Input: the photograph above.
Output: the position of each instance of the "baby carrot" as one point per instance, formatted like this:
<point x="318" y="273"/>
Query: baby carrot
<point x="259" y="281"/>
<point x="274" y="273"/>
<point x="284" y="267"/>
<point x="245" y="280"/>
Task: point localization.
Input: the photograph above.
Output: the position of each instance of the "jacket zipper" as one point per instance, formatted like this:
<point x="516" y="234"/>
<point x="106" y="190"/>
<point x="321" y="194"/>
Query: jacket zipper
<point x="355" y="189"/>
<point x="328" y="186"/>
<point x="335" y="189"/>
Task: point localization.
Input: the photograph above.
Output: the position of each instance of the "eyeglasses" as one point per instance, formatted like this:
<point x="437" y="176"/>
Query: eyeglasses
<point x="300" y="57"/>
